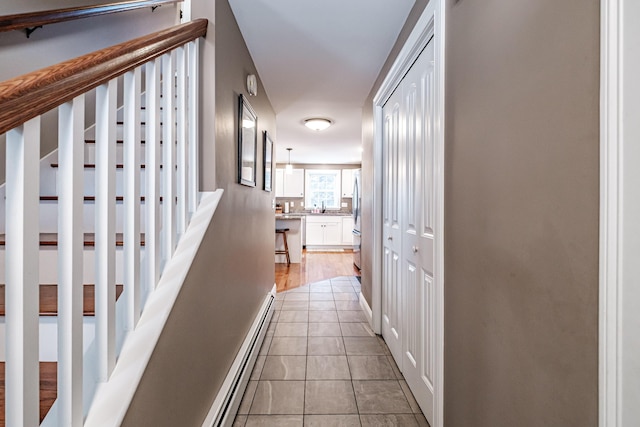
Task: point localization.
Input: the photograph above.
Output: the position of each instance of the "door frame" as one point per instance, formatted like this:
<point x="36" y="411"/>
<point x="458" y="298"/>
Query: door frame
<point x="619" y="349"/>
<point x="431" y="24"/>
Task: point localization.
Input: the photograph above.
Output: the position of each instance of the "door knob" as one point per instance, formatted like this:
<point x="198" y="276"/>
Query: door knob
<point x="414" y="249"/>
<point x="389" y="238"/>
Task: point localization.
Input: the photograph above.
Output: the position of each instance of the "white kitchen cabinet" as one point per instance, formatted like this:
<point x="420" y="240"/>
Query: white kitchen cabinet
<point x="289" y="185"/>
<point x="333" y="232"/>
<point x="347" y="183"/>
<point x="324" y="231"/>
<point x="294" y="184"/>
<point x="315" y="233"/>
<point x="347" y="230"/>
<point x="279" y="182"/>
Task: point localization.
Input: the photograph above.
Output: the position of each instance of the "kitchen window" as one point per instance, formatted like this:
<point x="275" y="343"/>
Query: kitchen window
<point x="322" y="188"/>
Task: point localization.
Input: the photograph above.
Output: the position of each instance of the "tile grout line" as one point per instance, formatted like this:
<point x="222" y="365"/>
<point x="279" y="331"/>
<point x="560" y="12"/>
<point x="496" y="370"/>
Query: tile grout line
<point x="306" y="362"/>
<point x="353" y="388"/>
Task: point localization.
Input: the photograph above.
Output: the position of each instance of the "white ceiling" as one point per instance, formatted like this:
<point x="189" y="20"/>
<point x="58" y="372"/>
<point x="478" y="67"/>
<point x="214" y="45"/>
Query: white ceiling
<point x="319" y="59"/>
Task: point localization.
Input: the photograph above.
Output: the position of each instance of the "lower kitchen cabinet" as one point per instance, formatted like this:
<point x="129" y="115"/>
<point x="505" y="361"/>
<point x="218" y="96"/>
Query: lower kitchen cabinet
<point x="324" y="231"/>
<point x="334" y="231"/>
<point x="347" y="230"/>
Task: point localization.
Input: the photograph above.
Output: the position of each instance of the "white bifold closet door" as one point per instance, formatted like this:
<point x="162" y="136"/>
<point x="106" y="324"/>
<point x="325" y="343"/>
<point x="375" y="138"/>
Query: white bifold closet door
<point x="408" y="300"/>
<point x="392" y="233"/>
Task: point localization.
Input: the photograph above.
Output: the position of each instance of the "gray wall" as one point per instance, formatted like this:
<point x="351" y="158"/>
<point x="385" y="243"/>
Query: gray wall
<point x="55" y="43"/>
<point x="234" y="269"/>
<point x="62" y="41"/>
<point x="24" y="6"/>
<point x="521" y="212"/>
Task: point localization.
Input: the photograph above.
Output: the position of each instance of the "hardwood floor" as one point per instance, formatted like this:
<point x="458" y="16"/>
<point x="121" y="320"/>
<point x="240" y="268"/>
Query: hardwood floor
<point x="315" y="266"/>
<point x="48" y="389"/>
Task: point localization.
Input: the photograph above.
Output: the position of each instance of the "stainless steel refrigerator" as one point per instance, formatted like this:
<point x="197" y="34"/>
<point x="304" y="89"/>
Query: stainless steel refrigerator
<point x="357" y="210"/>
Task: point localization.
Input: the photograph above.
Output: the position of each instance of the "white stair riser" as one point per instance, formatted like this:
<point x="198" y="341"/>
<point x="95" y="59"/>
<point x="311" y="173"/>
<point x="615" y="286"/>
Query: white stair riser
<point x="90" y="153"/>
<point x="49" y="217"/>
<point x="48" y="176"/>
<point x="90" y="187"/>
<point x="49" y="180"/>
<point x="143" y="118"/>
<point x="49" y="264"/>
<point x="49" y="337"/>
<point x="90" y="133"/>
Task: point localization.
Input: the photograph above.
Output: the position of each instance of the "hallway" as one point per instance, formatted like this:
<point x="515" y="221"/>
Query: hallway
<point x="321" y="365"/>
<point x="315" y="266"/>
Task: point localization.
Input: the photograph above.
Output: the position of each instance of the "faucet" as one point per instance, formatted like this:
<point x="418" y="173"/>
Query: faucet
<point x="324" y="209"/>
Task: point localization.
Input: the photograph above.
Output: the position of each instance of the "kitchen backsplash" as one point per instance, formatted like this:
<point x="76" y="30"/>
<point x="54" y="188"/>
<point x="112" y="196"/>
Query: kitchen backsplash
<point x="295" y="205"/>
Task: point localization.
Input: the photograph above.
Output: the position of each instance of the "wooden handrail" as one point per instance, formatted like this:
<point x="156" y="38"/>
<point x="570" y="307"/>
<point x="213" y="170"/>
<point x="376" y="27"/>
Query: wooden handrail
<point x="33" y="94"/>
<point x="34" y="19"/>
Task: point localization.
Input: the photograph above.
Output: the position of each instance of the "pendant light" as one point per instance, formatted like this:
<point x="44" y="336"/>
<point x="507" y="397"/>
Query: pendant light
<point x="289" y="169"/>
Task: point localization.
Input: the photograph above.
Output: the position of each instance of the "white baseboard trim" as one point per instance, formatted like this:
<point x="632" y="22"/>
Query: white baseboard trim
<point x="225" y="406"/>
<point x="364" y="305"/>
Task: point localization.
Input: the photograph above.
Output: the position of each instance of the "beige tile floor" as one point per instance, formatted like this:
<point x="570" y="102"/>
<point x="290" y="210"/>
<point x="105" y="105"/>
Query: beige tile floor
<point x="322" y="365"/>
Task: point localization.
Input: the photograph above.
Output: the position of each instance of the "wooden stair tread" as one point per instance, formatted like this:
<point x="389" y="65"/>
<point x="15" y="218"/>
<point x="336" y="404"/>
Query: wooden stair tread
<point x="120" y="122"/>
<point x="86" y="198"/>
<point x="93" y="166"/>
<point x="51" y="239"/>
<point x="49" y="299"/>
<point x="118" y="141"/>
<point x="48" y="388"/>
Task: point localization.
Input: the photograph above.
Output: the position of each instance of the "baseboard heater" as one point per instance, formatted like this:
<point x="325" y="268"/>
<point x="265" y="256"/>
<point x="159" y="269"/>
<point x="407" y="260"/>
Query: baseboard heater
<point x="226" y="404"/>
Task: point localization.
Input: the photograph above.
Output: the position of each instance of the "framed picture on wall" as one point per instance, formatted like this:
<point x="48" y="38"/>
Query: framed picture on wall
<point x="247" y="143"/>
<point x="268" y="161"/>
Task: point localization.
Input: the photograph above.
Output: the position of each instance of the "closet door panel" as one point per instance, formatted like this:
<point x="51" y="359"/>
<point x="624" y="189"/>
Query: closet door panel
<point x="391" y="200"/>
<point x="418" y="239"/>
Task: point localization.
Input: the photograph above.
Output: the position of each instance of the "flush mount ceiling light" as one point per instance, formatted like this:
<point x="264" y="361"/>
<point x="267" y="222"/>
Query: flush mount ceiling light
<point x="318" y="123"/>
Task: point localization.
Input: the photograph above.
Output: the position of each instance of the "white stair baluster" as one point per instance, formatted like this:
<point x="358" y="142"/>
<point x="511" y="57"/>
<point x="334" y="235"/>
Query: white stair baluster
<point x="168" y="147"/>
<point x="194" y="78"/>
<point x="170" y="187"/>
<point x="152" y="174"/>
<point x="70" y="258"/>
<point x="181" y="146"/>
<point x="105" y="232"/>
<point x="131" y="195"/>
<point x="22" y="387"/>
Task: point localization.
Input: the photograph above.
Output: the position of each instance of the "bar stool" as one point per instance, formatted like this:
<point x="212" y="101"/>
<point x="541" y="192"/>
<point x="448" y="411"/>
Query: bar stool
<point x="283" y="231"/>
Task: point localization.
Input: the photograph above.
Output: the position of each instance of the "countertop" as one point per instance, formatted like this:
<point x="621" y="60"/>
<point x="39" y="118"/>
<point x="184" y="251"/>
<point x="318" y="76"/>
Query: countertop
<point x="294" y="215"/>
<point x="290" y="216"/>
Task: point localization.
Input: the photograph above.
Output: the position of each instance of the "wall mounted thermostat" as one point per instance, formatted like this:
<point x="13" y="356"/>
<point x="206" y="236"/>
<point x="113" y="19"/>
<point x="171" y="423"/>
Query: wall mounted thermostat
<point x="252" y="85"/>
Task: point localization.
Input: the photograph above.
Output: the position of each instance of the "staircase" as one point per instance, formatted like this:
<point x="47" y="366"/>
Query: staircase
<point x="88" y="230"/>
<point x="48" y="242"/>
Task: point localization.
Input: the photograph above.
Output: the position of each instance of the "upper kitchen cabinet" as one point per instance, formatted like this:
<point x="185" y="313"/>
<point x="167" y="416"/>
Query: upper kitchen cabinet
<point x="347" y="183"/>
<point x="289" y="185"/>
